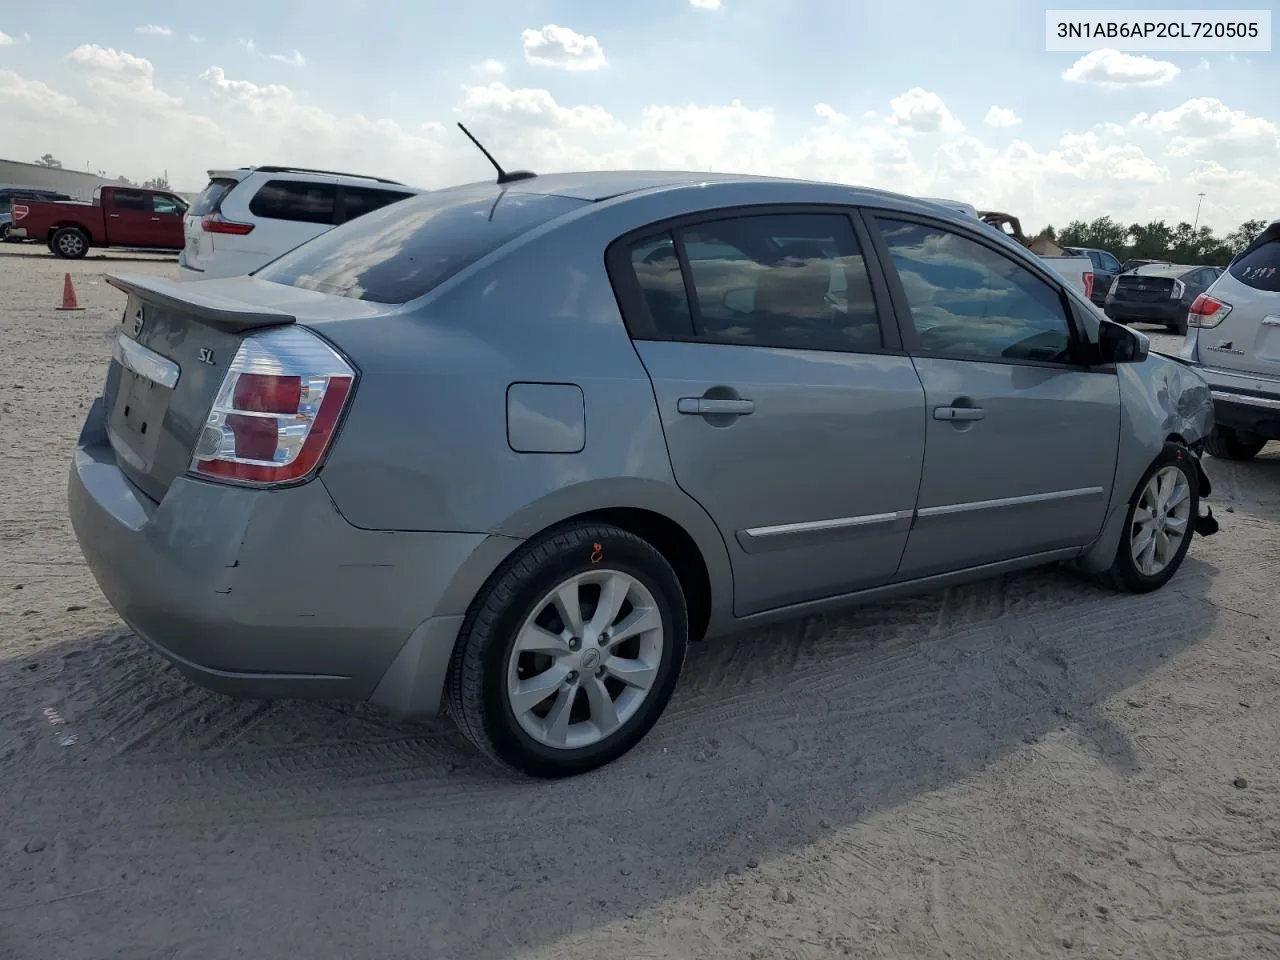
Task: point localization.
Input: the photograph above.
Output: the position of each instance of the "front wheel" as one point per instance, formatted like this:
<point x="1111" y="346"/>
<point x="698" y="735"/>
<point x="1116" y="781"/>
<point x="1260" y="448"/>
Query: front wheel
<point x="69" y="243"/>
<point x="571" y="651"/>
<point x="1227" y="444"/>
<point x="1159" y="522"/>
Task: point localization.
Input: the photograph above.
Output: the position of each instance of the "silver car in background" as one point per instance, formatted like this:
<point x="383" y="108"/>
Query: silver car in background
<point x="506" y="448"/>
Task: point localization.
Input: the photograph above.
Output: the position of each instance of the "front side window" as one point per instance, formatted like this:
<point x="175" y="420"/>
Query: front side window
<point x="796" y="281"/>
<point x="295" y="200"/>
<point x="968" y="301"/>
<point x="165" y="205"/>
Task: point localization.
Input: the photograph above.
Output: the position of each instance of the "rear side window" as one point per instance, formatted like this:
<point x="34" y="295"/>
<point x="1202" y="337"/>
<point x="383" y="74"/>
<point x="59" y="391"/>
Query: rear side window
<point x="1259" y="265"/>
<point x="211" y="196"/>
<point x="357" y="201"/>
<point x="130" y="200"/>
<point x="404" y="250"/>
<point x="295" y="200"/>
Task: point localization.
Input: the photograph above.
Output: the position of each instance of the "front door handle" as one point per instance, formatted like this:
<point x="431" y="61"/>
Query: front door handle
<point x="709" y="407"/>
<point x="155" y="219"/>
<point x="114" y="216"/>
<point x="958" y="413"/>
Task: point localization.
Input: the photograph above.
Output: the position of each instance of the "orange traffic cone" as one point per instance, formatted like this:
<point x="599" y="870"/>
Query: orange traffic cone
<point x="69" y="295"/>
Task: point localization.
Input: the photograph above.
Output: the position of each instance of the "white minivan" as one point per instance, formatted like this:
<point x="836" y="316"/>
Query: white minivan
<point x="248" y="216"/>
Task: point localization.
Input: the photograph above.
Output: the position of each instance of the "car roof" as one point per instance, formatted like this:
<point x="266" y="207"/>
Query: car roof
<point x="598" y="185"/>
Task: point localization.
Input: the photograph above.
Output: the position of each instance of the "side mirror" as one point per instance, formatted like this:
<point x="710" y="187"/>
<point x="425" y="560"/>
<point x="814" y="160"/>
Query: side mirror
<point x="1119" y="344"/>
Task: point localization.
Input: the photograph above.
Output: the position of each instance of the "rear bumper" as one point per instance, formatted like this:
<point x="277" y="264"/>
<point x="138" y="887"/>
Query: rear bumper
<point x="272" y="593"/>
<point x="1243" y="401"/>
<point x="1171" y="313"/>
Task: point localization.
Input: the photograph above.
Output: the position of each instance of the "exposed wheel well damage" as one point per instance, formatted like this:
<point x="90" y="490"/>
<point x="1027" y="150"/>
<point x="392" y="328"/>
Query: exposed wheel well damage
<point x="679" y="549"/>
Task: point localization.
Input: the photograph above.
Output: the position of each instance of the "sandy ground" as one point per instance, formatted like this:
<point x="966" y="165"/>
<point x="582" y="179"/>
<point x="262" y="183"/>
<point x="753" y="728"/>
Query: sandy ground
<point x="1030" y="767"/>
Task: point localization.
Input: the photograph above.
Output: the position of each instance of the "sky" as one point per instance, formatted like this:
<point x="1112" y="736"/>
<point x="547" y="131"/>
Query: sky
<point x="927" y="98"/>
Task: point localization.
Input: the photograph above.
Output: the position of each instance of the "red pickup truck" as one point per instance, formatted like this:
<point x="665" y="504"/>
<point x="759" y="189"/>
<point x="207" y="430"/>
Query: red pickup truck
<point x="117" y="217"/>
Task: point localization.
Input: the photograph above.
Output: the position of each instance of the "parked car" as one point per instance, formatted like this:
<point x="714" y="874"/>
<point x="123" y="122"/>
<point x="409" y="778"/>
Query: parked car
<point x="1233" y="342"/>
<point x="249" y="216"/>
<point x="1076" y="269"/>
<point x="1158" y="293"/>
<point x="1105" y="269"/>
<point x="11" y="193"/>
<point x="510" y="447"/>
<point x="117" y="217"/>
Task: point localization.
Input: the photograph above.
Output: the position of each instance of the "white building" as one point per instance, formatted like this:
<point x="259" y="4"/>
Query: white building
<point x="76" y="184"/>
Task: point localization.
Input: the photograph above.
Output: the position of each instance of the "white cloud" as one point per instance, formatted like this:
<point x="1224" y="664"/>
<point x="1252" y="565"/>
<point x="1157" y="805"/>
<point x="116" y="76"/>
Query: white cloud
<point x="249" y="45"/>
<point x="294" y="58"/>
<point x="705" y="4"/>
<point x="154" y="30"/>
<point x="555" y="46"/>
<point x="829" y="113"/>
<point x="1001" y="118"/>
<point x="106" y="112"/>
<point x="1206" y="124"/>
<point x="6" y="40"/>
<point x="31" y="99"/>
<point x="1111" y="68"/>
<point x="121" y="76"/>
<point x="492" y="68"/>
<point x="195" y="38"/>
<point x="922" y="111"/>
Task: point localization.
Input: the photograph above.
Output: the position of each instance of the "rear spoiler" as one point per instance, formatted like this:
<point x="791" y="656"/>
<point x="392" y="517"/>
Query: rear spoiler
<point x="233" y="316"/>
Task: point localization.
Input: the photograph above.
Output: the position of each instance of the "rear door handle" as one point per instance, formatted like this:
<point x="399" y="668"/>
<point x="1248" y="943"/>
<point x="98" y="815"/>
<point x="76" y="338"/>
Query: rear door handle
<point x="958" y="413"/>
<point x="704" y="407"/>
<point x="155" y="219"/>
<point x="114" y="216"/>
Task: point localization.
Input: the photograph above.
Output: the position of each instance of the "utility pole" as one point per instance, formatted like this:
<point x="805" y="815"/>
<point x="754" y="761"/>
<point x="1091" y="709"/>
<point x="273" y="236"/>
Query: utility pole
<point x="1198" y="202"/>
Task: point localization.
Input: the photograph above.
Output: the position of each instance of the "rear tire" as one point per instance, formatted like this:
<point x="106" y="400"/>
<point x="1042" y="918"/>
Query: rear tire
<point x="1159" y="523"/>
<point x="1227" y="444"/>
<point x="525" y="634"/>
<point x="69" y="243"/>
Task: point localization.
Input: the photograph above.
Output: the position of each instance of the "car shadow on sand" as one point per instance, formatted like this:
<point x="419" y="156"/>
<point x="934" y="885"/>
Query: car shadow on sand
<point x="186" y="824"/>
<point x="91" y="257"/>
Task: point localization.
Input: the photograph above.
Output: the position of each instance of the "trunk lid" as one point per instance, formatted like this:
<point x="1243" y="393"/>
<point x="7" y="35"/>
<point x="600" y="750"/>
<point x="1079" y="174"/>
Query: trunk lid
<point x="199" y="244"/>
<point x="1248" y="338"/>
<point x="170" y="353"/>
<point x="1140" y="288"/>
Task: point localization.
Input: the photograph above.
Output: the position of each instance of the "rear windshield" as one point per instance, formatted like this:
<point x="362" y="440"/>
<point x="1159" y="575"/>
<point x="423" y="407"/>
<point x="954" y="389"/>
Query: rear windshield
<point x="406" y="249"/>
<point x="211" y="196"/>
<point x="1159" y="270"/>
<point x="1259" y="265"/>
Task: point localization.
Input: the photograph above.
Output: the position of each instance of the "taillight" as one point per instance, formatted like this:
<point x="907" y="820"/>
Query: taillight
<point x="1177" y="291"/>
<point x="1088" y="285"/>
<point x="277" y="410"/>
<point x="217" y="223"/>
<point x="19" y="210"/>
<point x="1206" y="312"/>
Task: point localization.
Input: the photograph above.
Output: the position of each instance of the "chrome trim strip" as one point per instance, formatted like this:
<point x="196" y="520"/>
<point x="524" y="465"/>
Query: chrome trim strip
<point x="146" y="363"/>
<point x="817" y="526"/>
<point x="949" y="509"/>
<point x="1267" y="403"/>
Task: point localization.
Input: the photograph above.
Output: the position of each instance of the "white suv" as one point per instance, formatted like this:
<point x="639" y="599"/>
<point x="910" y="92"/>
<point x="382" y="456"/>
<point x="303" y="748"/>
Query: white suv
<point x="1233" y="341"/>
<point x="249" y="216"/>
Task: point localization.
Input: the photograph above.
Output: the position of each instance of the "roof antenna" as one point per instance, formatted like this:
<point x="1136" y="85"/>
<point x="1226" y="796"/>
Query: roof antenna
<point x="503" y="176"/>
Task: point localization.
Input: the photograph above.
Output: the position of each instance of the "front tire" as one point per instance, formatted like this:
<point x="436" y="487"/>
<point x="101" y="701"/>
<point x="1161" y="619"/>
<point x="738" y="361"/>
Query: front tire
<point x="1159" y="523"/>
<point x="571" y="651"/>
<point x="69" y="243"/>
<point x="1227" y="444"/>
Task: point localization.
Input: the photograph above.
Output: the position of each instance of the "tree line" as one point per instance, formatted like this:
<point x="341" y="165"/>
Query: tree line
<point x="1183" y="243"/>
